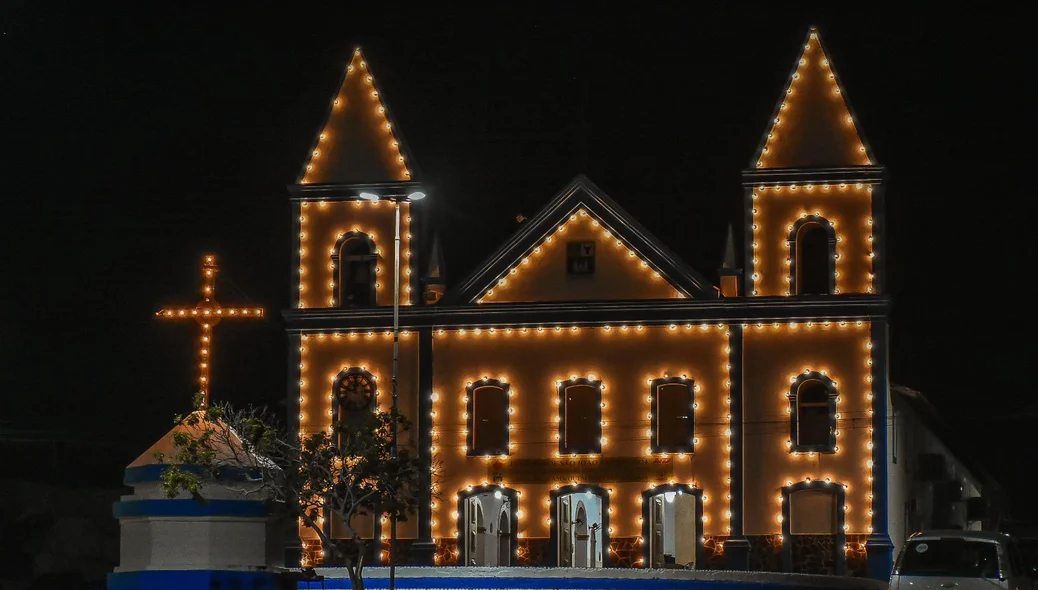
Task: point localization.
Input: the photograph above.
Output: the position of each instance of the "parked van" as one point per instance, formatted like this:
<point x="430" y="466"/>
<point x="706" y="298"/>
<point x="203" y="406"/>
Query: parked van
<point x="963" y="560"/>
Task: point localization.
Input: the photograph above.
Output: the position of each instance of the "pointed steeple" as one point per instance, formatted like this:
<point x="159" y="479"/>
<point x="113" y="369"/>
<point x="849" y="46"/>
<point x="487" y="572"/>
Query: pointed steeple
<point x="729" y="275"/>
<point x="728" y="262"/>
<point x="358" y="142"/>
<point x="435" y="274"/>
<point x="813" y="125"/>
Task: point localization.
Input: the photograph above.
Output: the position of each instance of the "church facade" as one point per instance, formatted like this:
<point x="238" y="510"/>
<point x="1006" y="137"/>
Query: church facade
<point x="586" y="399"/>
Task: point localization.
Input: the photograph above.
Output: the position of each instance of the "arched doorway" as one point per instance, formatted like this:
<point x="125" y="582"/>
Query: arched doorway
<point x="486" y="517"/>
<point x="672" y="526"/>
<point x="580" y="526"/>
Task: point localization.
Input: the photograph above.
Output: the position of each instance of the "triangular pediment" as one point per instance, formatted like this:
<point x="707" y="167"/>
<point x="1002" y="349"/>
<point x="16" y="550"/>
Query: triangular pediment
<point x="813" y="125"/>
<point x="581" y="246"/>
<point x="358" y="142"/>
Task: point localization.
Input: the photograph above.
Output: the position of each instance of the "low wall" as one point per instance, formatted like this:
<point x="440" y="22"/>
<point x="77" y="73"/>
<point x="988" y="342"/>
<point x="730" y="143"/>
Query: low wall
<point x="526" y="578"/>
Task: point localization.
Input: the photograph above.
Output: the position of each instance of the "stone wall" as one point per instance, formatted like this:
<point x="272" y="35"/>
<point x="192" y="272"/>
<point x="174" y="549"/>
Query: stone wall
<point x="856" y="565"/>
<point x="765" y="553"/>
<point x="533" y="552"/>
<point x="713" y="553"/>
<point x="446" y="551"/>
<point x="813" y="554"/>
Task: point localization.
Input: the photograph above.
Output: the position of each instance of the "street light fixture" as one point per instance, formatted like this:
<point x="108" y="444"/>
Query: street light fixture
<point x="395" y="412"/>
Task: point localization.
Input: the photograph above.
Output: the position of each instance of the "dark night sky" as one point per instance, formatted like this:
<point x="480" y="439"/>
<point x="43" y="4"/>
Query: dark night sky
<point x="135" y="141"/>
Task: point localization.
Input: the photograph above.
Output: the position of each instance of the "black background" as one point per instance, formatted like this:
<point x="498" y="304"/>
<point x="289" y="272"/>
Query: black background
<point x="138" y="136"/>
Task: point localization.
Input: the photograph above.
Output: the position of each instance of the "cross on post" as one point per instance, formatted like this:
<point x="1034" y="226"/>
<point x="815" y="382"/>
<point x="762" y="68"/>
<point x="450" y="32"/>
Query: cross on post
<point x="208" y="313"/>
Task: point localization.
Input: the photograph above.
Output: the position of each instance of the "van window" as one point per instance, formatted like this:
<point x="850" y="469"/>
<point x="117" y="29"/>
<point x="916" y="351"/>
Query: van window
<point x="1016" y="563"/>
<point x="950" y="557"/>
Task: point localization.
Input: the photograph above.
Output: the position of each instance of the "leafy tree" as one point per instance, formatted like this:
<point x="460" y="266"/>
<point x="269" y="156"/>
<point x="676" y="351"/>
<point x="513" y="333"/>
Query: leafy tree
<point x="348" y="471"/>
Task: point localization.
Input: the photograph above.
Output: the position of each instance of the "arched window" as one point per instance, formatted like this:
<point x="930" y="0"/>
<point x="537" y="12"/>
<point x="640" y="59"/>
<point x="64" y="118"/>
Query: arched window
<point x="812" y="251"/>
<point x="355" y="260"/>
<point x="812" y="401"/>
<point x="673" y="413"/>
<point x="580" y="413"/>
<point x="488" y="409"/>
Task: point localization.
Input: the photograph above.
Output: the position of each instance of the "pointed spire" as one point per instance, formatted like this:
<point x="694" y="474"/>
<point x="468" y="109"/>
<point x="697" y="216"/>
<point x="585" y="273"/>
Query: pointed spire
<point x="813" y="125"/>
<point x="358" y="143"/>
<point x="728" y="262"/>
<point x="436" y="273"/>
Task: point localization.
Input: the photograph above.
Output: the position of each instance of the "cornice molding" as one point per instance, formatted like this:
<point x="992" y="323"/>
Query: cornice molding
<point x="651" y="312"/>
<point x="785" y="176"/>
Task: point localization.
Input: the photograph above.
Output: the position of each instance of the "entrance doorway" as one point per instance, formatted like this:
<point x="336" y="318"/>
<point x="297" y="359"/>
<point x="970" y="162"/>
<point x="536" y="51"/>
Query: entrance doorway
<point x="672" y="517"/>
<point x="580" y="529"/>
<point x="485" y="523"/>
<point x="673" y="541"/>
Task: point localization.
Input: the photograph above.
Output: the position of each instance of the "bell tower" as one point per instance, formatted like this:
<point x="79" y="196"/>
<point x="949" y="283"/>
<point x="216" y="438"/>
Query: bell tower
<point x="813" y="192"/>
<point x="344" y="204"/>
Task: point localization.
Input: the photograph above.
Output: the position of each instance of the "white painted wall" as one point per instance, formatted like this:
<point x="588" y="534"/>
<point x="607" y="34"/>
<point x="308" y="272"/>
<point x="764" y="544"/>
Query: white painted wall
<point x="195" y="543"/>
<point x="192" y="543"/>
<point x="908" y="438"/>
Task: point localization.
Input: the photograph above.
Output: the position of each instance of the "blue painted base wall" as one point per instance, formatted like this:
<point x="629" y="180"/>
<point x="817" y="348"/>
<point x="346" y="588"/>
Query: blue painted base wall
<point x="556" y="583"/>
<point x="192" y="580"/>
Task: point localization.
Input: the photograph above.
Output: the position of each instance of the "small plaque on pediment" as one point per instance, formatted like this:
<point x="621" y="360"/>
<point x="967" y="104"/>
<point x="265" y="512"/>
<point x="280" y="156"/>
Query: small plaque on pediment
<point x="580" y="258"/>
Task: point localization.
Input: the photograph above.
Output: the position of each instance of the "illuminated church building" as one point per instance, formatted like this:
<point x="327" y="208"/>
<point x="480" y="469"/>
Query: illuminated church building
<point x="585" y="398"/>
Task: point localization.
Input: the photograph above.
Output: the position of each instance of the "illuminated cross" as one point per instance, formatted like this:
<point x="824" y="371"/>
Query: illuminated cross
<point x="208" y="313"/>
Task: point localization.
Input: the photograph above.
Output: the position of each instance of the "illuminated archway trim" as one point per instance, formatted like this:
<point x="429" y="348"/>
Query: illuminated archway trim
<point x="840" y="542"/>
<point x="513" y="518"/>
<point x="794" y="389"/>
<point x="647" y="524"/>
<point x="690" y="386"/>
<point x="791" y="240"/>
<point x="596" y="448"/>
<point x="336" y="260"/>
<point x="470" y="407"/>
<point x="553" y="537"/>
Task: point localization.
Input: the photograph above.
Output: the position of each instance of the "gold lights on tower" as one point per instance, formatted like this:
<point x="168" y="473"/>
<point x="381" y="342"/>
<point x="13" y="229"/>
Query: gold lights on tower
<point x="207" y="313"/>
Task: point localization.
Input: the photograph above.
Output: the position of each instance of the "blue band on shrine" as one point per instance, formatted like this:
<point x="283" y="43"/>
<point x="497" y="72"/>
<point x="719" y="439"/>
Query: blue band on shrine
<point x="190" y="508"/>
<point x="191" y="580"/>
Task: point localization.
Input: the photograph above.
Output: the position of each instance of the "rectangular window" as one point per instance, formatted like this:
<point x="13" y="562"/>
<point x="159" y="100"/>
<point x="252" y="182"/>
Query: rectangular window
<point x="488" y="418"/>
<point x="581" y="413"/>
<point x="813" y="420"/>
<point x="672" y="415"/>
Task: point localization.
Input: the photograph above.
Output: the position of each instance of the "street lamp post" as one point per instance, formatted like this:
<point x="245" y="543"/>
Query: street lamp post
<point x="395" y="411"/>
